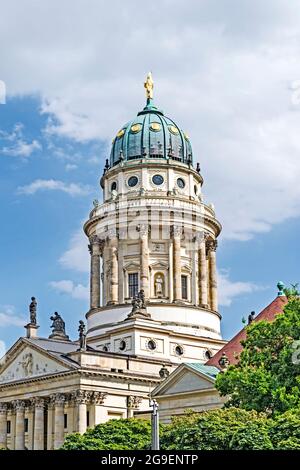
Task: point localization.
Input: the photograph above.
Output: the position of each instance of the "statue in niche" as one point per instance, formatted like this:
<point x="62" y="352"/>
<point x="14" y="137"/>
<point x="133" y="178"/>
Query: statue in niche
<point x="159" y="285"/>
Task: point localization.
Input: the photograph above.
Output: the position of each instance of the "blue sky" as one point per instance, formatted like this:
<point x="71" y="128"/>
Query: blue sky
<point x="231" y="81"/>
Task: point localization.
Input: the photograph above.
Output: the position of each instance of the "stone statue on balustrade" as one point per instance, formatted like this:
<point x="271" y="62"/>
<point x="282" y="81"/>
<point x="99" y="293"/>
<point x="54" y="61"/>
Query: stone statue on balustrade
<point x="32" y="310"/>
<point x="58" y="328"/>
<point x="82" y="336"/>
<point x="139" y="309"/>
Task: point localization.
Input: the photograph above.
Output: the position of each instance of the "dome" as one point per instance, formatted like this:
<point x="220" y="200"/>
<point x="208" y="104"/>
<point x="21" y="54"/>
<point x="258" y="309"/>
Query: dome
<point x="151" y="135"/>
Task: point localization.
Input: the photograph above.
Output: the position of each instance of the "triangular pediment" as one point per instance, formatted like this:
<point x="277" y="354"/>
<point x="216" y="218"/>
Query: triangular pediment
<point x="159" y="265"/>
<point x="183" y="380"/>
<point x="131" y="265"/>
<point x="25" y="361"/>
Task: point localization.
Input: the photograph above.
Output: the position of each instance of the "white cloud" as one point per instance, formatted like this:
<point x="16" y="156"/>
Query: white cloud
<point x="229" y="290"/>
<point x="17" y="145"/>
<point x="77" y="256"/>
<point x="73" y="189"/>
<point x="71" y="167"/>
<point x="8" y="317"/>
<point x="77" y="291"/>
<point x="224" y="70"/>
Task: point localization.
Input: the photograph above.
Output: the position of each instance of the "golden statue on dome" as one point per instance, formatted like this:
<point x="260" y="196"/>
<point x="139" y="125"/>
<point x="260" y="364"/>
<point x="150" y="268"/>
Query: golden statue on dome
<point x="149" y="86"/>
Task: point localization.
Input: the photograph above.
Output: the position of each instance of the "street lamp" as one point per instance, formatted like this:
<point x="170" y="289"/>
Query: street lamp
<point x="154" y="424"/>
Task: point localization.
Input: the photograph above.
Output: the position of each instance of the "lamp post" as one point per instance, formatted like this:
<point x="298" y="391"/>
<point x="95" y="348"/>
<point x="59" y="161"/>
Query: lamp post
<point x="154" y="425"/>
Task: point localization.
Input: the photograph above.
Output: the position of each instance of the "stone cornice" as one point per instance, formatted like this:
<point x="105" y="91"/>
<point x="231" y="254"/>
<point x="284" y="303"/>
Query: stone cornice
<point x="188" y="393"/>
<point x="150" y="304"/>
<point x="171" y="334"/>
<point x="108" y="207"/>
<point x="126" y="375"/>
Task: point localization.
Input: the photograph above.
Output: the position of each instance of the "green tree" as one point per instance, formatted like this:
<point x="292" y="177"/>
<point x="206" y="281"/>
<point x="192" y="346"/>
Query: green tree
<point x="252" y="436"/>
<point x="213" y="430"/>
<point x="285" y="430"/>
<point x="267" y="376"/>
<point x="123" y="434"/>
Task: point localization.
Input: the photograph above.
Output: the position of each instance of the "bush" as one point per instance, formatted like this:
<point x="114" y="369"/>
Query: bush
<point x="285" y="430"/>
<point x="123" y="434"/>
<point x="209" y="430"/>
<point x="253" y="436"/>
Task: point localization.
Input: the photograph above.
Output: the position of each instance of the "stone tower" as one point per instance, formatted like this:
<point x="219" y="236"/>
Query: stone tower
<point x="153" y="237"/>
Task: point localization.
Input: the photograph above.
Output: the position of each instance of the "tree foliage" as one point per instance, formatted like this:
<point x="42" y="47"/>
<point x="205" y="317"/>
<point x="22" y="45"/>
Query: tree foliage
<point x="123" y="434"/>
<point x="222" y="429"/>
<point x="215" y="430"/>
<point x="267" y="377"/>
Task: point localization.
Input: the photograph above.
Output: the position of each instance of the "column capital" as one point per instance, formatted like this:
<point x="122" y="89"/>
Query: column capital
<point x="98" y="398"/>
<point x="143" y="230"/>
<point x="57" y="399"/>
<point x="38" y="402"/>
<point x="19" y="405"/>
<point x="81" y="397"/>
<point x="3" y="408"/>
<point x="176" y="231"/>
<point x="211" y="245"/>
<point x="96" y="245"/>
<point x="112" y="233"/>
<point x="201" y="237"/>
<point x="133" y="401"/>
<point x="95" y="240"/>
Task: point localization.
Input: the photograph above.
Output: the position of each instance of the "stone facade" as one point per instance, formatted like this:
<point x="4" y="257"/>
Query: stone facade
<point x="189" y="387"/>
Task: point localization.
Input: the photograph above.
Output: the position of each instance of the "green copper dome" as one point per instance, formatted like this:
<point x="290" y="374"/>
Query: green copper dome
<point x="151" y="135"/>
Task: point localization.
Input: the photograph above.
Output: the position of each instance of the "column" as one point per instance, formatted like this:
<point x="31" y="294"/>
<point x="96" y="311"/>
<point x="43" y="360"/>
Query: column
<point x="38" y="432"/>
<point x="3" y="425"/>
<point x="50" y="427"/>
<point x="95" y="251"/>
<point x="194" y="291"/>
<point x="113" y="245"/>
<point x="144" y="259"/>
<point x="98" y="412"/>
<point x="121" y="271"/>
<point x="106" y="273"/>
<point x="177" y="230"/>
<point x="203" y="274"/>
<point x="30" y="415"/>
<point x="12" y="427"/>
<point x="20" y="424"/>
<point x="212" y="246"/>
<point x="81" y="398"/>
<point x="171" y="287"/>
<point x="59" y="432"/>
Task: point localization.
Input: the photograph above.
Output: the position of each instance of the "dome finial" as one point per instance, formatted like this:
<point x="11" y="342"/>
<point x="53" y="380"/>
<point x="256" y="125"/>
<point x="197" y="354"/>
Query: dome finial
<point x="149" y="87"/>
